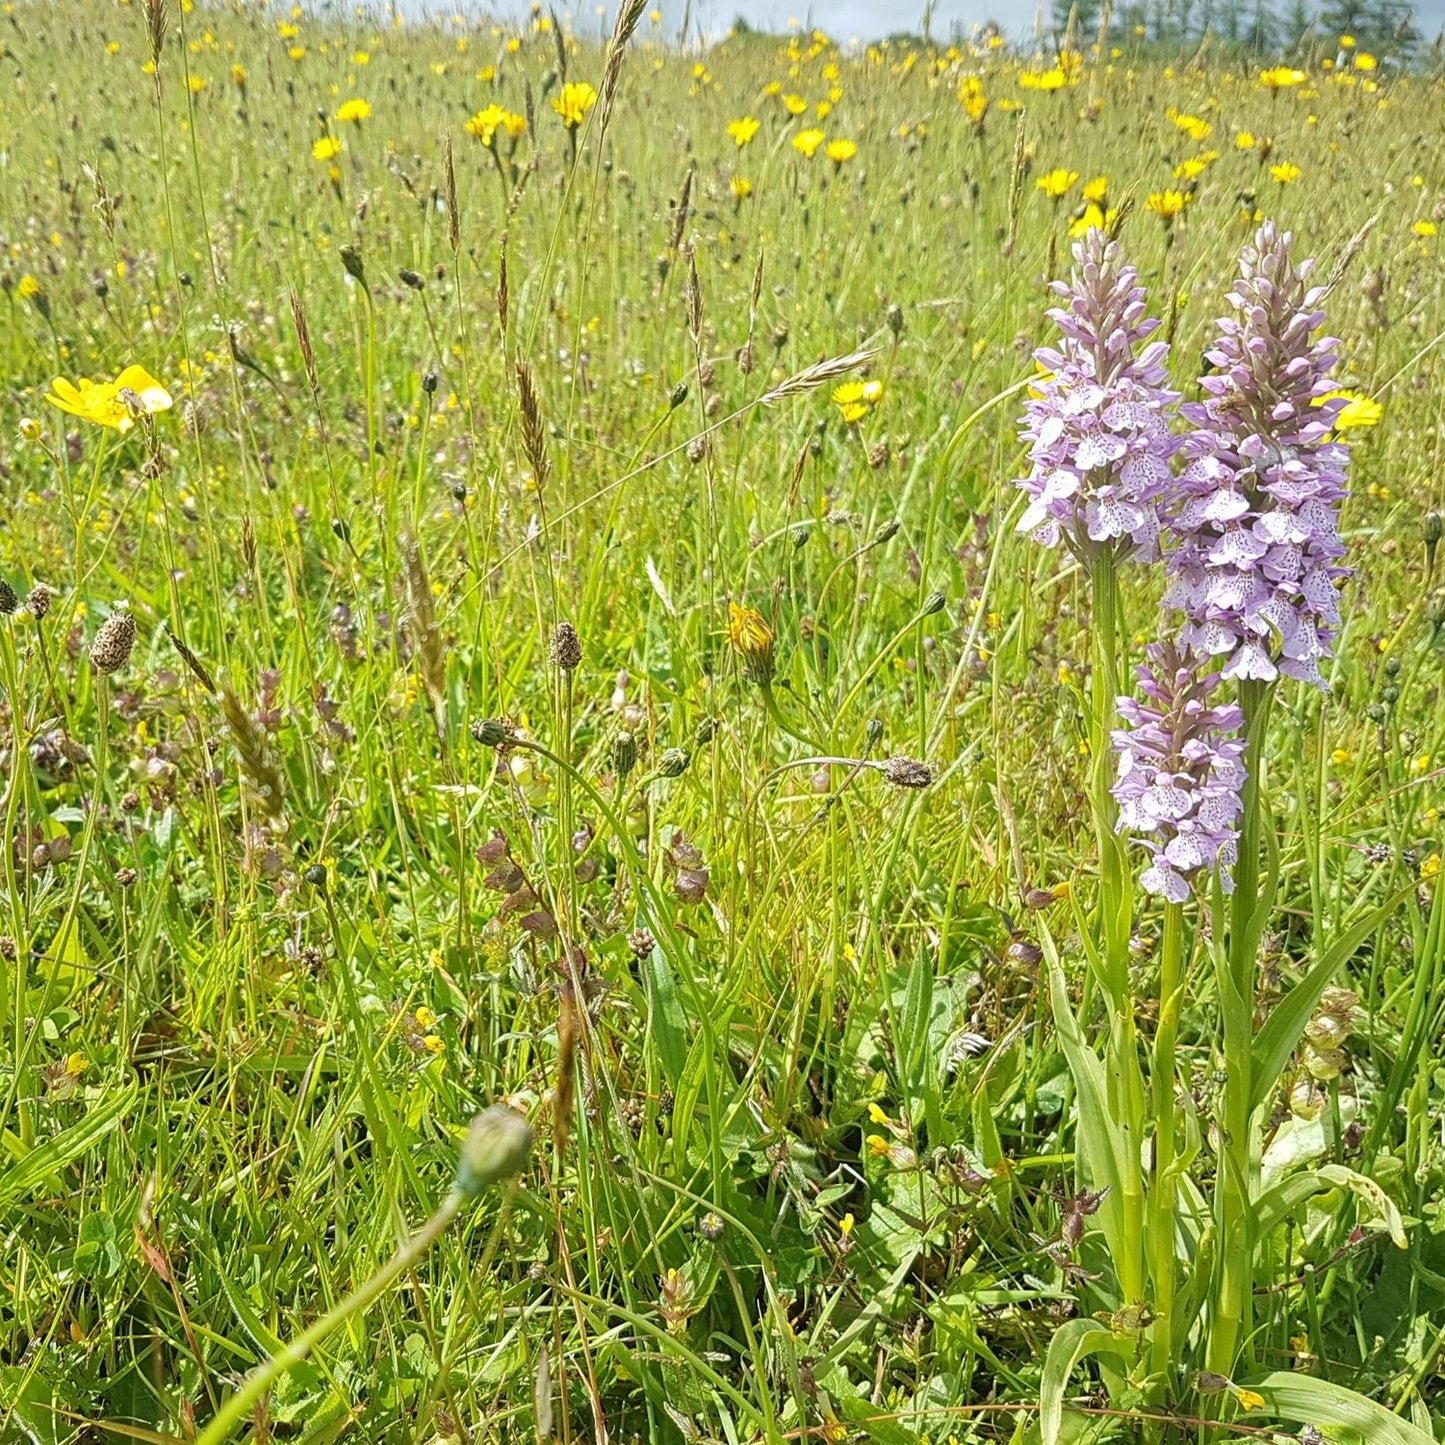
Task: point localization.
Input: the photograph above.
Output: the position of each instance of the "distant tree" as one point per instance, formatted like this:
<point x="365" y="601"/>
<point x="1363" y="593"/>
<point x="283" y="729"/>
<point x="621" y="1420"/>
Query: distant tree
<point x="1085" y="14"/>
<point x="1264" y="29"/>
<point x="1298" y="21"/>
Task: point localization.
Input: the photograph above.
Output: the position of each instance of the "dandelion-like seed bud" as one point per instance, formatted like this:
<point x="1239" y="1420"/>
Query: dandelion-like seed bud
<point x="429" y="382"/>
<point x="1259" y="548"/>
<point x="1097" y="422"/>
<point x="351" y="260"/>
<point x="895" y="319"/>
<point x="113" y="643"/>
<point x="674" y="762"/>
<point x="677" y="395"/>
<point x="316" y="876"/>
<point x="491" y="732"/>
<point x="711" y="1227"/>
<point x="1181" y="769"/>
<point x="37" y="604"/>
<point x="566" y="647"/>
<point x="752" y="639"/>
<point x="9" y="601"/>
<point x="496" y="1149"/>
<point x="935" y="602"/>
<point x="906" y="772"/>
<point x="31" y="429"/>
<point x="413" y="280"/>
<point x="624" y="755"/>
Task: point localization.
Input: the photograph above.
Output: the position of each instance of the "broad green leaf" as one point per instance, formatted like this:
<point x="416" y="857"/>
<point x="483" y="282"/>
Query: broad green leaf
<point x="1072" y="1341"/>
<point x="1308" y="1401"/>
<point x="1277" y="1204"/>
<point x="668" y="1022"/>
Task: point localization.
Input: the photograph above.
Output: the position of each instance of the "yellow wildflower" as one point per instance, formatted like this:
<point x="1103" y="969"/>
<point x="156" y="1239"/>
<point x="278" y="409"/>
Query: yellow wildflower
<point x="1167" y="204"/>
<point x="354" y="110"/>
<point x="808" y="141"/>
<point x="114" y="404"/>
<point x="742" y="131"/>
<point x="1285" y="172"/>
<point x="576" y="99"/>
<point x="1281" y="77"/>
<point x="1424" y="228"/>
<point x="327" y="148"/>
<point x="1056" y="183"/>
<point x="839" y="151"/>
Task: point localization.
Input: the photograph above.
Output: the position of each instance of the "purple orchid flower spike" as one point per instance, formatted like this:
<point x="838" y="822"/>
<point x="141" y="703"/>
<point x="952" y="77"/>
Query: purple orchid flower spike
<point x="1181" y="771"/>
<point x="1257" y="523"/>
<point x="1098" y="425"/>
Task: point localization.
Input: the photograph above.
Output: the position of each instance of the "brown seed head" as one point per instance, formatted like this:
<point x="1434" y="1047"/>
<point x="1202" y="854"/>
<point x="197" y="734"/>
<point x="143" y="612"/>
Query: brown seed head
<point x="566" y="647"/>
<point x="906" y="773"/>
<point x="113" y="643"/>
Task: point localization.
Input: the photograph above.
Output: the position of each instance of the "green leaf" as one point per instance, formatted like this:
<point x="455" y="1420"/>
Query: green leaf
<point x="668" y="1022"/>
<point x="46" y="1161"/>
<point x="1277" y="1204"/>
<point x="1282" y="1030"/>
<point x="1102" y="1142"/>
<point x="1072" y="1341"/>
<point x="1317" y="1402"/>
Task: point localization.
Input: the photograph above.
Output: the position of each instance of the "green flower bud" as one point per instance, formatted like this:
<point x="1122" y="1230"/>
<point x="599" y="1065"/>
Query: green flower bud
<point x="495" y="1149"/>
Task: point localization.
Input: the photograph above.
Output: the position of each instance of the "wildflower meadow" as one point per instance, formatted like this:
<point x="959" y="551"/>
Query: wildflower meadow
<point x="722" y="739"/>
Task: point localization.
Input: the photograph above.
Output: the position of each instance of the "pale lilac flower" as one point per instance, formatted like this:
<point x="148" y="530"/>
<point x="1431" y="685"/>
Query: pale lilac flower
<point x="1098" y="425"/>
<point x="1257" y="517"/>
<point x="1180" y="774"/>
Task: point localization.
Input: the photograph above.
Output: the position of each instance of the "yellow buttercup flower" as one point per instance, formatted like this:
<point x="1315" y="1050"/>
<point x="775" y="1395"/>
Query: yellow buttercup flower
<point x="1056" y="183"/>
<point x="839" y="151"/>
<point x="326" y="149"/>
<point x="741" y="187"/>
<point x="742" y="131"/>
<point x="576" y="99"/>
<point x="354" y="110"/>
<point x="1365" y="61"/>
<point x="1424" y="228"/>
<point x="1285" y="172"/>
<point x="115" y="404"/>
<point x="1244" y="140"/>
<point x="1097" y="190"/>
<point x="795" y="104"/>
<point x="808" y="141"/>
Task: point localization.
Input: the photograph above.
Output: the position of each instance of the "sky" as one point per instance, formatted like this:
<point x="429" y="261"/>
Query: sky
<point x="843" y="19"/>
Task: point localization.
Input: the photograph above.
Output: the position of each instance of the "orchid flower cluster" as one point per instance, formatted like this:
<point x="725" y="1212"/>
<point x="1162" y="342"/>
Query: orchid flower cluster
<point x="1249" y="528"/>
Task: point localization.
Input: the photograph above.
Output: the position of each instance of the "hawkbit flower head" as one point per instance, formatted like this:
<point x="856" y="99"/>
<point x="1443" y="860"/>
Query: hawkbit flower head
<point x="1257" y="521"/>
<point x="1098" y="422"/>
<point x="1181" y="770"/>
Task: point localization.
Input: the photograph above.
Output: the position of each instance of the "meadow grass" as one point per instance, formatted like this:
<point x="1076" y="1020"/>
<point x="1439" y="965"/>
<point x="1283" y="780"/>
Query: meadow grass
<point x="280" y="917"/>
